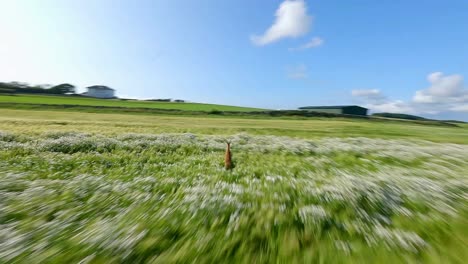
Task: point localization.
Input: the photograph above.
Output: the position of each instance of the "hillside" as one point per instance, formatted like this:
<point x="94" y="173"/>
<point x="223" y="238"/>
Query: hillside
<point x="399" y="116"/>
<point x="84" y="101"/>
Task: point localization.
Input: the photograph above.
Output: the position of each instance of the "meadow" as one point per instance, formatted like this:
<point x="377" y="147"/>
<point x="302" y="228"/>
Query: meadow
<point x="86" y="101"/>
<point x="119" y="188"/>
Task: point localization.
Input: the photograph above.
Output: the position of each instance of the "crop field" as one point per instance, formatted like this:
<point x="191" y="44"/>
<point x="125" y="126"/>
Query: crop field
<point x="84" y="101"/>
<point x="109" y="188"/>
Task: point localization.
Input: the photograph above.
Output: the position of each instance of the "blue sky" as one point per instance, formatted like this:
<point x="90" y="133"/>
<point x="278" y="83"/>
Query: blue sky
<point x="396" y="56"/>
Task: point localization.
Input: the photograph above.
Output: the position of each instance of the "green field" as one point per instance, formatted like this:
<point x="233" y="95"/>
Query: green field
<point x="69" y="100"/>
<point x="26" y="121"/>
<point x="121" y="188"/>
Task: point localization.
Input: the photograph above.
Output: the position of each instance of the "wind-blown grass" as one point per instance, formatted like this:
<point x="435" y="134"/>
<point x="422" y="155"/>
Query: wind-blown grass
<point x="165" y="198"/>
<point x="21" y="121"/>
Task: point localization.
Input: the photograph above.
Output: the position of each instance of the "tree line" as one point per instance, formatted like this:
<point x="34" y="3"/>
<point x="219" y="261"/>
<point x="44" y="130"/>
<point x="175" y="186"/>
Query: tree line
<point x="24" y="88"/>
<point x="61" y="89"/>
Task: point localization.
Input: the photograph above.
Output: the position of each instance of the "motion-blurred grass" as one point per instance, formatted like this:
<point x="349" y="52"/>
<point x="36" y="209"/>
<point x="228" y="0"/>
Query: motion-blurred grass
<point x="42" y="121"/>
<point x="110" y="188"/>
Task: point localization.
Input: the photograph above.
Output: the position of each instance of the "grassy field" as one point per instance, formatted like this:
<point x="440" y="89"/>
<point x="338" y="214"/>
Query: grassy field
<point x="25" y="121"/>
<point x="69" y="100"/>
<point x="116" y="188"/>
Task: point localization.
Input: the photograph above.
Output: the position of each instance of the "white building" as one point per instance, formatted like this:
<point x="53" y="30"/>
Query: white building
<point x="99" y="91"/>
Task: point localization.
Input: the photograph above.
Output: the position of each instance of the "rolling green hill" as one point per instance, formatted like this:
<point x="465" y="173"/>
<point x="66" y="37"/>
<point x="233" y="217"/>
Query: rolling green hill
<point x="84" y="101"/>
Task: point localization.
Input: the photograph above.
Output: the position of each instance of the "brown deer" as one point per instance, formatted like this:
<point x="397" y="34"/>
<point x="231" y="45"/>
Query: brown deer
<point x="228" y="157"/>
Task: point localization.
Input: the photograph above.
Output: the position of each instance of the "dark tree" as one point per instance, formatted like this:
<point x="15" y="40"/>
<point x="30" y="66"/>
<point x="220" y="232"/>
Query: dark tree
<point x="62" y="89"/>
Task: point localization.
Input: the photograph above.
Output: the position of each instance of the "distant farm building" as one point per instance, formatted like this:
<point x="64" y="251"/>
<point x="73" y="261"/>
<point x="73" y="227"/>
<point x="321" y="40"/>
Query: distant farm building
<point x="341" y="109"/>
<point x="99" y="91"/>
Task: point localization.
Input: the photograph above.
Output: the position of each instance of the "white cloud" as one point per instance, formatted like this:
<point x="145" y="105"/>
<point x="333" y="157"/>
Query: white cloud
<point x="396" y="106"/>
<point x="297" y="72"/>
<point x="447" y="93"/>
<point x="460" y="108"/>
<point x="291" y="21"/>
<point x="376" y="101"/>
<point x="422" y="98"/>
<point x="373" y="96"/>
<point x="443" y="89"/>
<point x="364" y="92"/>
<point x="313" y="43"/>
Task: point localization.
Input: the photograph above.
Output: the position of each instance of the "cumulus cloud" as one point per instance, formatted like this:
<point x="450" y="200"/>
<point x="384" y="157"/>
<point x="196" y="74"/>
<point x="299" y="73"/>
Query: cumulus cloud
<point x="443" y="90"/>
<point x="375" y="100"/>
<point x="396" y="106"/>
<point x="291" y="21"/>
<point x="460" y="108"/>
<point x="297" y="72"/>
<point x="369" y="95"/>
<point x="313" y="43"/>
<point x="446" y="93"/>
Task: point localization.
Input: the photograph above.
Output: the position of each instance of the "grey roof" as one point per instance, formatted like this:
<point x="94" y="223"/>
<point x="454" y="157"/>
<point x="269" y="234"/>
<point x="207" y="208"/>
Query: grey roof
<point x="331" y="107"/>
<point x="100" y="87"/>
